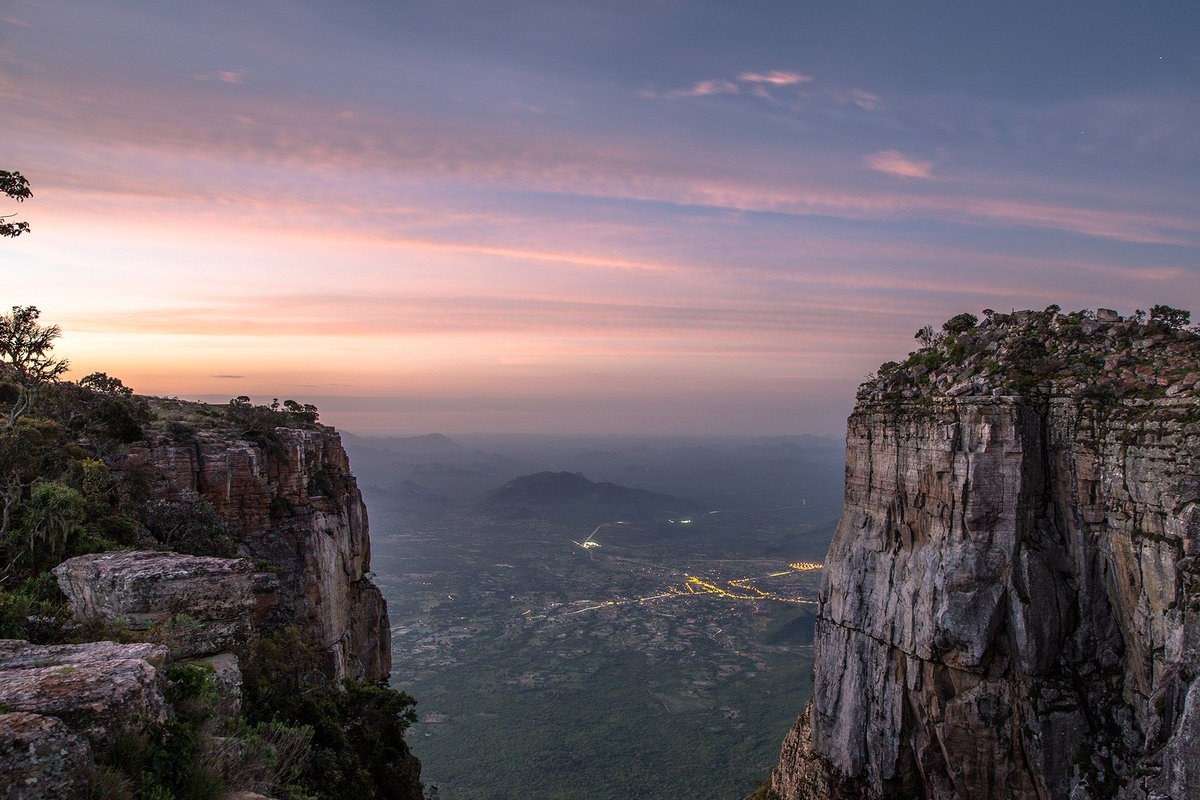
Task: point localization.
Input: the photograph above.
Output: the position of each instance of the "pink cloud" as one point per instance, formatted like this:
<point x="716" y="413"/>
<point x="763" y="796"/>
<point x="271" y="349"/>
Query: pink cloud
<point x="775" y="77"/>
<point x="705" y="88"/>
<point x="893" y="162"/>
<point x="232" y="76"/>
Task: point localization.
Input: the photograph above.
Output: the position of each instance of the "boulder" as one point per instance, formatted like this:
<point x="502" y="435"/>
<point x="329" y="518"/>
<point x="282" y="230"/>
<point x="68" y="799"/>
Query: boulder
<point x="98" y="688"/>
<point x="41" y="759"/>
<point x="199" y="605"/>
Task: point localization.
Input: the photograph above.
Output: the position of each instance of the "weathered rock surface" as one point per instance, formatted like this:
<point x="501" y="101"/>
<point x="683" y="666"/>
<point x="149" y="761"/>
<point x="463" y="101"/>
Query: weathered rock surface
<point x="200" y="605"/>
<point x="296" y="508"/>
<point x="41" y="759"/>
<point x="96" y="688"/>
<point x="1011" y="606"/>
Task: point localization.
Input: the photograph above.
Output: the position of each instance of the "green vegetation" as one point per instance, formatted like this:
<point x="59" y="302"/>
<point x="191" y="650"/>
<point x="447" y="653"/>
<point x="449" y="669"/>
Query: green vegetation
<point x="358" y="745"/>
<point x="258" y="424"/>
<point x="1097" y="356"/>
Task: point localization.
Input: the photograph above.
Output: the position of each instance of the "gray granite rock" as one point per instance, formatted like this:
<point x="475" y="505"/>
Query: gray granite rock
<point x="41" y="759"/>
<point x="198" y="605"/>
<point x="97" y="688"/>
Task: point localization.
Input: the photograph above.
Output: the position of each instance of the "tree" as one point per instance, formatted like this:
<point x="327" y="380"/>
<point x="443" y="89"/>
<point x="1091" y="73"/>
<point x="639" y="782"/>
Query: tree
<point x="25" y="357"/>
<point x="960" y="323"/>
<point x="15" y="186"/>
<point x="1173" y="318"/>
<point x="925" y="336"/>
<point x="103" y="383"/>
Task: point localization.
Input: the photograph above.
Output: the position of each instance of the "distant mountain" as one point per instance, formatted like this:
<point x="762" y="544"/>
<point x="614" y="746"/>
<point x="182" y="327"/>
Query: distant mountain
<point x="426" y="446"/>
<point x="559" y="494"/>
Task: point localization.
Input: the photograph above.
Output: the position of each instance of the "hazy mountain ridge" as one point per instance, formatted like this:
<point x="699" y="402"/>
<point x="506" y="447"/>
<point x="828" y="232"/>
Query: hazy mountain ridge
<point x="571" y="492"/>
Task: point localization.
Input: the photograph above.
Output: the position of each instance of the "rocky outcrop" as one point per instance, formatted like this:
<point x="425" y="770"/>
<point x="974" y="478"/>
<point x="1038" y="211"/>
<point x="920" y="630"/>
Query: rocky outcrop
<point x="98" y="689"/>
<point x="292" y="505"/>
<point x="41" y="759"/>
<point x="1011" y="606"/>
<point x="196" y="605"/>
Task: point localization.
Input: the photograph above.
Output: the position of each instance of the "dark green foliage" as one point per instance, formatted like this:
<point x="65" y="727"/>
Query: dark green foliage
<point x="15" y="186"/>
<point x="358" y="746"/>
<point x="281" y="507"/>
<point x="35" y="610"/>
<point x="103" y="383"/>
<point x="960" y="323"/>
<point x="168" y="761"/>
<point x="1169" y="317"/>
<point x="188" y="527"/>
<point x="105" y="418"/>
<point x="180" y="432"/>
<point x="326" y="483"/>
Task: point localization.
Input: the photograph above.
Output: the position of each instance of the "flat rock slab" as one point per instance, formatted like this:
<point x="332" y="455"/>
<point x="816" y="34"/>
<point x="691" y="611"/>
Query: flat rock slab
<point x="41" y="759"/>
<point x="96" y="688"/>
<point x="200" y="604"/>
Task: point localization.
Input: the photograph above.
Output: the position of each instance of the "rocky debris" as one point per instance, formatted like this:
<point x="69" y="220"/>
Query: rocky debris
<point x="198" y="605"/>
<point x="1011" y="605"/>
<point x="289" y="502"/>
<point x="41" y="759"/>
<point x="96" y="688"/>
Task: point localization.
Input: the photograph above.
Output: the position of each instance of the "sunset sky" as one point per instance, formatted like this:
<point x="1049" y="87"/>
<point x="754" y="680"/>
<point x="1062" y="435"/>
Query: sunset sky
<point x="644" y="217"/>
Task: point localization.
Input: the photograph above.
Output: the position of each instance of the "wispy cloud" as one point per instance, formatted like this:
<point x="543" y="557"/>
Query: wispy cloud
<point x="893" y="162"/>
<point x="704" y="89"/>
<point x="756" y="83"/>
<point x="232" y="76"/>
<point x="775" y="77"/>
<point x="867" y="101"/>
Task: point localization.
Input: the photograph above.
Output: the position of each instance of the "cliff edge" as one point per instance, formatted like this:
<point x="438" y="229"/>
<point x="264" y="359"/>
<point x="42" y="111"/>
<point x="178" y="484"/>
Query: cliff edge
<point x="1011" y="607"/>
<point x="186" y="608"/>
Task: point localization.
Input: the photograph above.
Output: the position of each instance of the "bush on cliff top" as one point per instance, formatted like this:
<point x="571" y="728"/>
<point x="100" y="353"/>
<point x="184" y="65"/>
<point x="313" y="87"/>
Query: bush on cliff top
<point x="1096" y="356"/>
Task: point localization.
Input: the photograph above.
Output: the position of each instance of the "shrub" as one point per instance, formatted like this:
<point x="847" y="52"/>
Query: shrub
<point x="188" y="527"/>
<point x="960" y="323"/>
<point x="1173" y="318"/>
<point x="358" y="745"/>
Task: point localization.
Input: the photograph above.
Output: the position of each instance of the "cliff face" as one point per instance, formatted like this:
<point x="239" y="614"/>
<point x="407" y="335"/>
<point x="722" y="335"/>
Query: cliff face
<point x="1011" y="607"/>
<point x="295" y="509"/>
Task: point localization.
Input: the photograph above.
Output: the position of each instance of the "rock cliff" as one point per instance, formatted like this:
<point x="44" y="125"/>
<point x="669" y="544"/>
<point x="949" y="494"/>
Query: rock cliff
<point x="292" y="505"/>
<point x="1011" y="607"/>
<point x="239" y="599"/>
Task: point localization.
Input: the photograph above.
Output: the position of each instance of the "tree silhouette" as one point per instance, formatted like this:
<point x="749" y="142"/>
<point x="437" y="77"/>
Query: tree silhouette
<point x="14" y="185"/>
<point x="25" y="357"/>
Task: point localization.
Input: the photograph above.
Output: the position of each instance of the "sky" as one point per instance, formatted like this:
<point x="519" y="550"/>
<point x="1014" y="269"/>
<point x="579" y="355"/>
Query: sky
<point x="651" y="217"/>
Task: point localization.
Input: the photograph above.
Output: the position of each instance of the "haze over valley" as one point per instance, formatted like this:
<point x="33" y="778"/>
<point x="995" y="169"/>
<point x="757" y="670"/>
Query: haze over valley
<point x="556" y="625"/>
